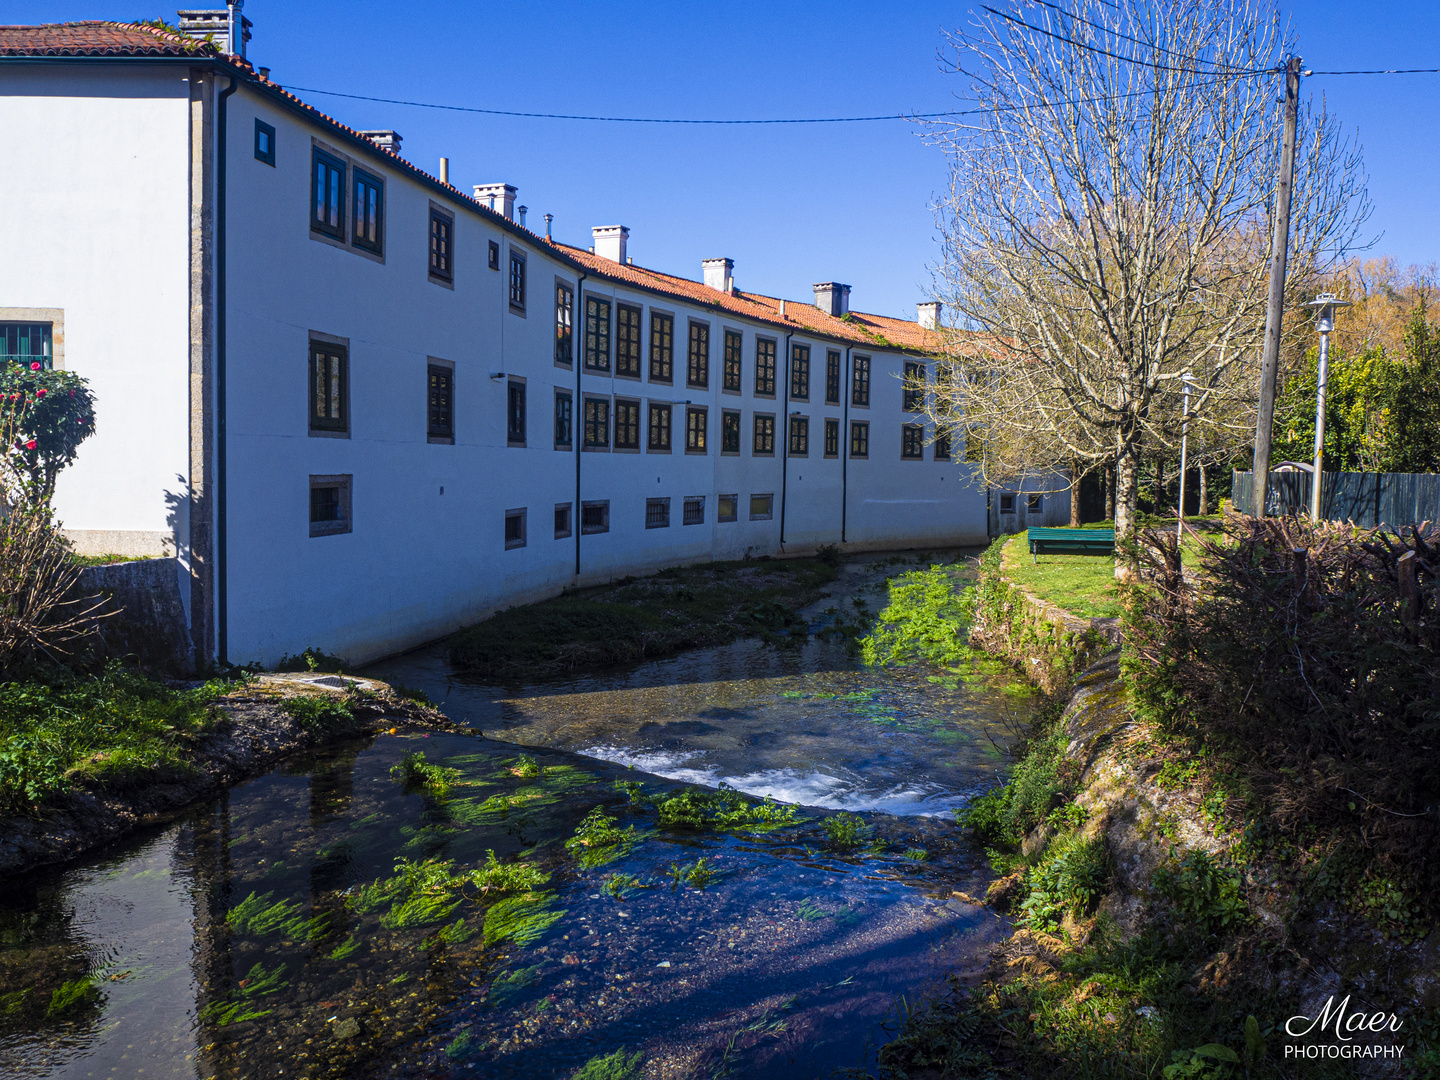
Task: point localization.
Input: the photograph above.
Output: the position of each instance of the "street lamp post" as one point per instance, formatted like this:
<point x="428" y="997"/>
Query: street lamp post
<point x="1324" y="305"/>
<point x="1187" y="379"/>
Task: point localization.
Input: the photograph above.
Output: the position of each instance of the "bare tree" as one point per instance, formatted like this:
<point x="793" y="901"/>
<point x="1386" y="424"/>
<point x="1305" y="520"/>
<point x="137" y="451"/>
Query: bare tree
<point x="1107" y="225"/>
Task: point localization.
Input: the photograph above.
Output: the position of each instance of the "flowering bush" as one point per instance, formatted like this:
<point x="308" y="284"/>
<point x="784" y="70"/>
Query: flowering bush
<point x="45" y="415"/>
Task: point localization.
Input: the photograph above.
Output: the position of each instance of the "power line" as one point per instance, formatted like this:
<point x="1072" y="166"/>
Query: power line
<point x="1126" y="37"/>
<point x="1382" y="71"/>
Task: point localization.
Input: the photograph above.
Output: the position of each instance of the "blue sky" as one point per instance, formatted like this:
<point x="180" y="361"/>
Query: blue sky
<point x="791" y="205"/>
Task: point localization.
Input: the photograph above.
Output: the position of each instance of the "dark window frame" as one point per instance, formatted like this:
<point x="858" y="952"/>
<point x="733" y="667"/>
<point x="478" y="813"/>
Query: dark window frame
<point x="943" y="450"/>
<point x="564" y="323"/>
<point x="769" y="512"/>
<point x="799" y="372"/>
<point x="564" y="420"/>
<point x="666" y="429"/>
<point x="631" y="407"/>
<point x="596" y="357"/>
<point x="799" y="436"/>
<point x="493" y="255"/>
<point x="912" y="398"/>
<point x="564" y="521"/>
<point x="518" y="286"/>
<point x="730" y="423"/>
<point x="338" y="188"/>
<point x="697" y="436"/>
<point x="339" y="372"/>
<point x="1034" y="503"/>
<point x="362" y="181"/>
<point x="595" y="422"/>
<point x="262" y="155"/>
<point x="762" y="439"/>
<point x="912" y="442"/>
<point x="15" y="331"/>
<point x="860" y="381"/>
<point x="765" y="352"/>
<point x="832" y="376"/>
<point x="439" y="403"/>
<point x="517" y="515"/>
<point x="592" y="509"/>
<point x="629" y="327"/>
<point x="1007" y="502"/>
<point x="662" y="347"/>
<point x="832" y="437"/>
<point x="860" y="439"/>
<point x="732" y="376"/>
<point x="657" y="513"/>
<point x="721" y="501"/>
<point x="517" y="408"/>
<point x="441" y="246"/>
<point x="692" y="510"/>
<point x="697" y="355"/>
<point x="344" y="521"/>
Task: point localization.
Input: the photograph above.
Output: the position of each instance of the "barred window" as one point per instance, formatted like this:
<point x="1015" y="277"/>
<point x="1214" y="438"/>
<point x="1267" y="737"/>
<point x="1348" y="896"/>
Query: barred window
<point x="729" y="432"/>
<point x="564" y="322"/>
<point x="765" y="368"/>
<point x="330" y="501"/>
<point x="912" y="441"/>
<point x="860" y="381"/>
<point x="697" y="371"/>
<point x="627" y="425"/>
<point x="597" y="334"/>
<point x="657" y="513"/>
<point x="660" y="427"/>
<point x="627" y="340"/>
<point x="859" y="438"/>
<point x="597" y="423"/>
<point x="595" y="516"/>
<point x="832" y="377"/>
<point x="832" y="438"/>
<point x="800" y="372"/>
<point x="799" y="436"/>
<point x="662" y="348"/>
<point x="695" y="419"/>
<point x="914" y="395"/>
<point x="734" y="342"/>
<point x="764" y="442"/>
<point x="514" y="529"/>
<point x="562" y="520"/>
<point x="694" y="511"/>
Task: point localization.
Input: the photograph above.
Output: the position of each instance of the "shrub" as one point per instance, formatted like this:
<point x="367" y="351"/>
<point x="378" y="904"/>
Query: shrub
<point x="1206" y="891"/>
<point x="45" y="414"/>
<point x="846" y="831"/>
<point x="39" y="613"/>
<point x="1068" y="881"/>
<point x="316" y="712"/>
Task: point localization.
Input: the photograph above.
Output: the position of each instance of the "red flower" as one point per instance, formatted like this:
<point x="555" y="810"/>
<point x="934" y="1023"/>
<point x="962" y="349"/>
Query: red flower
<point x="40" y="393"/>
<point x="35" y="366"/>
<point x="72" y="393"/>
<point x="30" y="445"/>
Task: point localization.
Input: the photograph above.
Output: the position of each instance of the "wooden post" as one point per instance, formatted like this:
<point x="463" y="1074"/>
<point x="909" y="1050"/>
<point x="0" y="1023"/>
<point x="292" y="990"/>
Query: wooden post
<point x="1409" y="587"/>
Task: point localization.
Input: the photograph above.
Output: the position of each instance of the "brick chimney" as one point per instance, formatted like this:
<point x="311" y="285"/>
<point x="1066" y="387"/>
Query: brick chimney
<point x="388" y="140"/>
<point x="498" y="197"/>
<point x="719" y="273"/>
<point x="610" y="242"/>
<point x="215" y="25"/>
<point x="832" y="298"/>
<point x="929" y="314"/>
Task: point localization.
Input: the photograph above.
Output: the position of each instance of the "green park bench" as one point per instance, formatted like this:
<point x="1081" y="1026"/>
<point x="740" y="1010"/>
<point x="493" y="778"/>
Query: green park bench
<point x="1072" y="541"/>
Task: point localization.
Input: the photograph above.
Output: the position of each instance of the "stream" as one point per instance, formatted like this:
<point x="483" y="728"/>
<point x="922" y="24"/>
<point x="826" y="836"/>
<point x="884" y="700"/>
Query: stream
<point x="329" y="920"/>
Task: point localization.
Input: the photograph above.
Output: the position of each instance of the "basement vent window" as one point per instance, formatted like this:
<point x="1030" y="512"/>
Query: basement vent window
<point x="562" y="520"/>
<point x="695" y="511"/>
<point x="762" y="507"/>
<point x="329" y="505"/>
<point x="657" y="513"/>
<point x="1007" y="504"/>
<point x="514" y="528"/>
<point x="595" y="517"/>
<point x="727" y="508"/>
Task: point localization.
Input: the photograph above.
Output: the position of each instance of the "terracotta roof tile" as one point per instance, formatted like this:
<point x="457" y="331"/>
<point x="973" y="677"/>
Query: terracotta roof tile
<point x="98" y="39"/>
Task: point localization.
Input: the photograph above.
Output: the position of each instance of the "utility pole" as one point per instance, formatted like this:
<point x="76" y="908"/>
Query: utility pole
<point x="1275" y="308"/>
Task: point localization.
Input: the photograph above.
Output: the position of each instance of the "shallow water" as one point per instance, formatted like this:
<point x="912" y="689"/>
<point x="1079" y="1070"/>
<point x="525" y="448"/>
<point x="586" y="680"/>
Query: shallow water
<point x="270" y="934"/>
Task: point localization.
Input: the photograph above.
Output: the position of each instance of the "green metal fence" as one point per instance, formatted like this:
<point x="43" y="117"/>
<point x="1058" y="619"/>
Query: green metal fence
<point x="1367" y="499"/>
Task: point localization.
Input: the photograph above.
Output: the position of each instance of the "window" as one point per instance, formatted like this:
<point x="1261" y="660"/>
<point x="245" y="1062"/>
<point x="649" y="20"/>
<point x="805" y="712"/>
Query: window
<point x="562" y="520"/>
<point x="327" y="201"/>
<point x="734" y="341"/>
<point x="695" y="422"/>
<point x="914" y="394"/>
<point x="1035" y="504"/>
<point x="329" y="505"/>
<point x="662" y="348"/>
<point x="514" y="528"/>
<point x="764" y="441"/>
<point x="494" y="257"/>
<point x="27" y="343"/>
<point x="942" y="446"/>
<point x="800" y="372"/>
<point x="627" y="424"/>
<point x="860" y="382"/>
<point x="659" y="427"/>
<point x="657" y="513"/>
<point x="564" y="322"/>
<point x="694" y="511"/>
<point x="627" y="340"/>
<point x="729" y="432"/>
<point x="369" y="212"/>
<point x="517" y="281"/>
<point x="799" y="436"/>
<point x="563" y="420"/>
<point x="329" y="387"/>
<point x="442" y="227"/>
<point x="1007" y="503"/>
<point x="515" y="415"/>
<point x="832" y="377"/>
<point x="597" y="424"/>
<point x="727" y="507"/>
<point x="264" y="142"/>
<point x="440" y="403"/>
<point x="764" y="368"/>
<point x="597" y="334"/>
<point x="859" y="438"/>
<point x="697" y="371"/>
<point x="761" y="507"/>
<point x="912" y="441"/>
<point x="832" y="438"/>
<point x="595" y="516"/>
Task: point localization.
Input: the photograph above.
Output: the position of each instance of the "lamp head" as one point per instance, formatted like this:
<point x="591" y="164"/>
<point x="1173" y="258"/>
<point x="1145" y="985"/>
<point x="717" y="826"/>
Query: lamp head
<point x="1324" y="306"/>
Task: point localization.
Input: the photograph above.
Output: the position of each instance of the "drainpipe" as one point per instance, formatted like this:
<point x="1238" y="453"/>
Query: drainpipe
<point x="222" y="602"/>
<point x="846" y="389"/>
<point x="785" y="434"/>
<point x="577" y="407"/>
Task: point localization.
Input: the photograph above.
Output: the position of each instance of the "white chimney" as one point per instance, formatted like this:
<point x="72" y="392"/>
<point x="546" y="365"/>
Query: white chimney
<point x="610" y="242"/>
<point x="217" y="26"/>
<point x="719" y="273"/>
<point x="388" y="140"/>
<point x="929" y="314"/>
<point x="498" y="197"/>
<point x="832" y="298"/>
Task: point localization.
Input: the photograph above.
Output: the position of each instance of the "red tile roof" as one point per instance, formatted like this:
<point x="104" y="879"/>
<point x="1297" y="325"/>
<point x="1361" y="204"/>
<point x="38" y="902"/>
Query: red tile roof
<point x="101" y="39"/>
<point x="98" y="39"/>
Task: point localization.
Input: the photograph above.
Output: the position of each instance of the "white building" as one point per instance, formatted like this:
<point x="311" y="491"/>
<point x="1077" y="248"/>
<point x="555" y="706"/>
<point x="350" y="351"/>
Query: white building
<point x="363" y="408"/>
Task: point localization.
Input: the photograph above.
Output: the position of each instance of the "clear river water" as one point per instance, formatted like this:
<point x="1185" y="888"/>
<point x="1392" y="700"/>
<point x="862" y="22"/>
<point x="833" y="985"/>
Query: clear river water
<point x="289" y="928"/>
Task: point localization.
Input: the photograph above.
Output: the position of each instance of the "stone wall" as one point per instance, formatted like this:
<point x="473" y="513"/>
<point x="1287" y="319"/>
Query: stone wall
<point x="144" y="617"/>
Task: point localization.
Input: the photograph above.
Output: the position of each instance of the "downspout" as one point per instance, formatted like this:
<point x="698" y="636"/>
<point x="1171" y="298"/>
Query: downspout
<point x="222" y="604"/>
<point x="785" y="434"/>
<point x="577" y="407"/>
<point x="846" y="390"/>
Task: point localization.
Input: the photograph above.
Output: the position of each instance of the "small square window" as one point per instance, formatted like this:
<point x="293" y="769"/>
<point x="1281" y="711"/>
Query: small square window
<point x="1035" y="504"/>
<point x="695" y="510"/>
<point x="264" y="143"/>
<point x="27" y="343"/>
<point x="1007" y="503"/>
<point x="657" y="513"/>
<point x="727" y="507"/>
<point x="762" y="507"/>
<point x="595" y="516"/>
<point x="562" y="520"/>
<point x="514" y="528"/>
<point x="515" y="415"/>
<point x="494" y="255"/>
<point x="442" y="230"/>
<point x="517" y="281"/>
<point x="329" y="505"/>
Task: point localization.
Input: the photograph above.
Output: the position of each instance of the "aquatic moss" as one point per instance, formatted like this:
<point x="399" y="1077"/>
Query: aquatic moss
<point x="723" y="809"/>
<point x="417" y="774"/>
<point x="925" y="621"/>
<point x="597" y="840"/>
<point x="419" y="910"/>
<point x="526" y="767"/>
<point x="460" y="1046"/>
<point x="345" y="948"/>
<point x="612" y="1066"/>
<point x="511" y="984"/>
<point x="240" y="1005"/>
<point x="75" y="994"/>
<point x="495" y="878"/>
<point x="846" y="831"/>
<point x="521" y="919"/>
<point x="617" y="885"/>
<point x="698" y="874"/>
